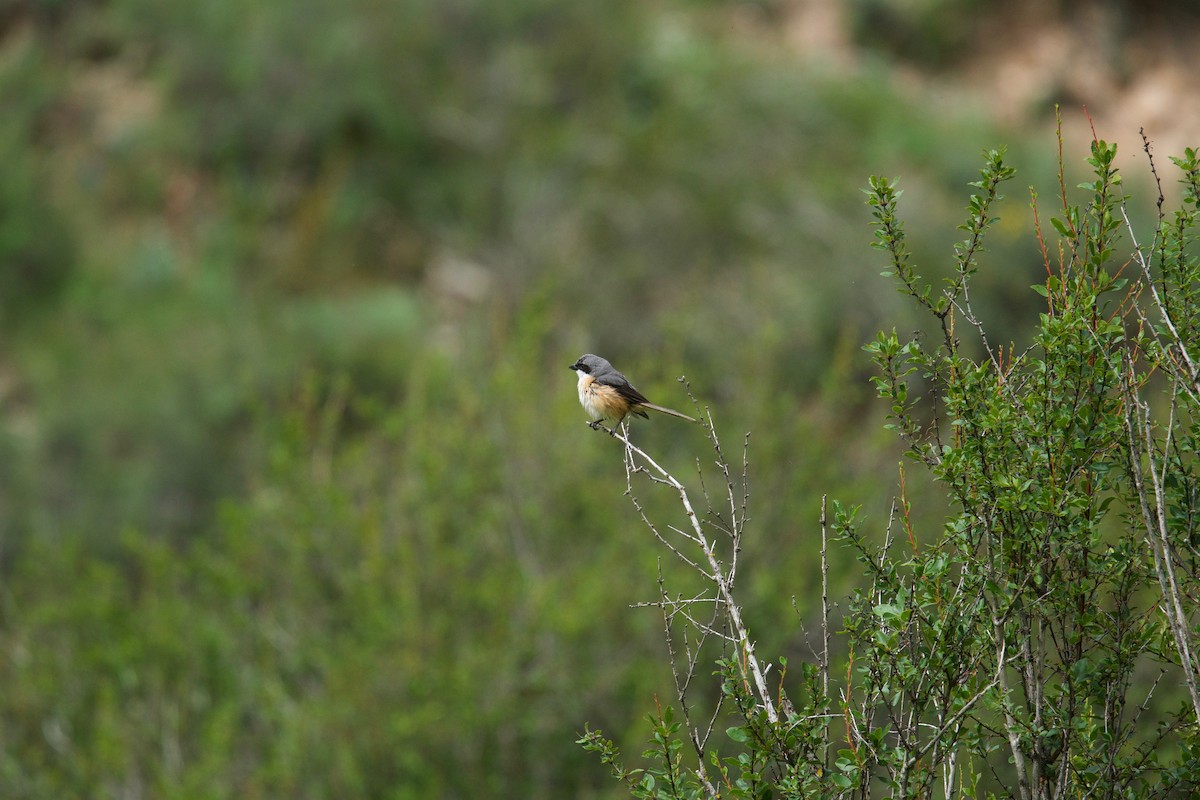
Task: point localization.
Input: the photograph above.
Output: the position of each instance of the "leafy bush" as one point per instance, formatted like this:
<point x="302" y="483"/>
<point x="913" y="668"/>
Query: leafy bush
<point x="1043" y="643"/>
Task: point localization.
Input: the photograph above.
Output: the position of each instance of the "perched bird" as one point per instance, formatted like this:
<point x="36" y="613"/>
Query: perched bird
<point x="608" y="395"/>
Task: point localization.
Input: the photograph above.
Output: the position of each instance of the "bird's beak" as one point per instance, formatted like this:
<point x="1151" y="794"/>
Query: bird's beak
<point x="573" y="366"/>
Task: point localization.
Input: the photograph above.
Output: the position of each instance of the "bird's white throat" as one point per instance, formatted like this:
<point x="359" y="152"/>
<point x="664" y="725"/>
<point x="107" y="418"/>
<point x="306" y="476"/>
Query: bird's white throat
<point x="585" y="397"/>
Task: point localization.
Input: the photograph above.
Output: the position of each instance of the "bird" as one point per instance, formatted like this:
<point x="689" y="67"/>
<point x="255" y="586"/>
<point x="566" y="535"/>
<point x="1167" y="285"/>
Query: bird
<point x="608" y="395"/>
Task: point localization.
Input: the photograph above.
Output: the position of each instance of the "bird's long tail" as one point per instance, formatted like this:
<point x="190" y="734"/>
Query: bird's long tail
<point x="667" y="411"/>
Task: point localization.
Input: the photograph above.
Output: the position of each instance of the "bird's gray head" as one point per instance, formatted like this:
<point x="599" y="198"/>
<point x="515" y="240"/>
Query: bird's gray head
<point x="591" y="365"/>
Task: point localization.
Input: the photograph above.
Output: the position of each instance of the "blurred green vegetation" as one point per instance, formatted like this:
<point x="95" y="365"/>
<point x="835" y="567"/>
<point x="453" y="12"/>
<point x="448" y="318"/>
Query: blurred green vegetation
<point x="936" y="33"/>
<point x="296" y="498"/>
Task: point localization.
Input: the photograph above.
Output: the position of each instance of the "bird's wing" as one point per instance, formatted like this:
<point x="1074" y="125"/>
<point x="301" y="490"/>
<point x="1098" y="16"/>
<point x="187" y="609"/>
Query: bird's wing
<point x="630" y="393"/>
<point x="623" y="386"/>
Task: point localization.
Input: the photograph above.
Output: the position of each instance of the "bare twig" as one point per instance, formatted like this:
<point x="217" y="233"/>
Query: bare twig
<point x="1010" y="721"/>
<point x="1141" y="444"/>
<point x="824" y="663"/>
<point x="748" y="664"/>
<point x="682" y="682"/>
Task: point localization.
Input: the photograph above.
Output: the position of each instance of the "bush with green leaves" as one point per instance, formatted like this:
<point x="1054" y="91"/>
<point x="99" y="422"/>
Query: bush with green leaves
<point x="1042" y="644"/>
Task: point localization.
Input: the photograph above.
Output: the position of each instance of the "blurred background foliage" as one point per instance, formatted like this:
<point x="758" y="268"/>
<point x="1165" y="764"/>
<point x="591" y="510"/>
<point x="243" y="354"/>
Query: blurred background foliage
<point x="295" y="498"/>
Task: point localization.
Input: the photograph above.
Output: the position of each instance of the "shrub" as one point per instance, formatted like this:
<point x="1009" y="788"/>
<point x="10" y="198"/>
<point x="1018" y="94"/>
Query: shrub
<point x="1043" y="642"/>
